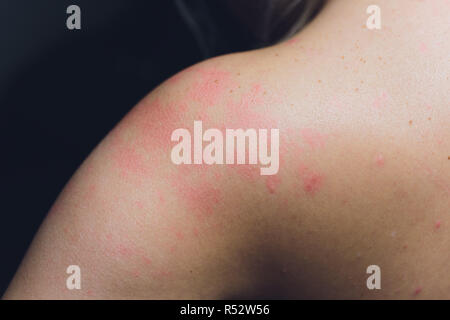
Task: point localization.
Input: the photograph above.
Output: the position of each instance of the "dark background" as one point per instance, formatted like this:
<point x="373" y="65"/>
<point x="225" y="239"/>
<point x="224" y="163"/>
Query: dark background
<point x="61" y="91"/>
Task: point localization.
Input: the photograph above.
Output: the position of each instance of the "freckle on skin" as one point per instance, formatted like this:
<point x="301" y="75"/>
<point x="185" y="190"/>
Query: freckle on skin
<point x="410" y="122"/>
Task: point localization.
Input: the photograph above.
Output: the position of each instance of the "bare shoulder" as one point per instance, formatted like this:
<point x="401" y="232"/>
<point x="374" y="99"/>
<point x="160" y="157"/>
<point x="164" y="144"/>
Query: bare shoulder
<point x="139" y="225"/>
<point x="165" y="208"/>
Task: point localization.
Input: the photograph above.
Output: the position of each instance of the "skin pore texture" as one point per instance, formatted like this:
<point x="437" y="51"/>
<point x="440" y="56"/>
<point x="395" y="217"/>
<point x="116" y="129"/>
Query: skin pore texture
<point x="364" y="175"/>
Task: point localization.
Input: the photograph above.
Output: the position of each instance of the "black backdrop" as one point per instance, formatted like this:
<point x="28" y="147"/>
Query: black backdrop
<point x="61" y="91"/>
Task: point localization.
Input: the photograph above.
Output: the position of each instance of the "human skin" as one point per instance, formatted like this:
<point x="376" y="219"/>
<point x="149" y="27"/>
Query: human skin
<point x="364" y="175"/>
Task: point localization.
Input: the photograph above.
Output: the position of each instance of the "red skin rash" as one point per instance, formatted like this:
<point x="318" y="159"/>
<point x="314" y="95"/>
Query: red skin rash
<point x="209" y="87"/>
<point x="247" y="172"/>
<point x="379" y="160"/>
<point x="312" y="181"/>
<point x="156" y="122"/>
<point x="146" y="260"/>
<point x="129" y="162"/>
<point x="250" y="110"/>
<point x="272" y="183"/>
<point x="437" y="225"/>
<point x="200" y="198"/>
<point x="417" y="291"/>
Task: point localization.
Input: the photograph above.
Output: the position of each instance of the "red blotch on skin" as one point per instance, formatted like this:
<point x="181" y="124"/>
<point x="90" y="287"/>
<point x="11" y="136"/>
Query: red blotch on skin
<point x="312" y="181"/>
<point x="147" y="261"/>
<point x="379" y="160"/>
<point x="179" y="235"/>
<point x="438" y="224"/>
<point x="156" y="122"/>
<point x="129" y="162"/>
<point x="272" y="183"/>
<point x="124" y="250"/>
<point x="423" y="47"/>
<point x="201" y="199"/>
<point x="417" y="291"/>
<point x="139" y="204"/>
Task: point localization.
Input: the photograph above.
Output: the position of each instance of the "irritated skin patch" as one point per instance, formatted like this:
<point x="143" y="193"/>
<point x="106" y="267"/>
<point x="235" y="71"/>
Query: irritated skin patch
<point x="379" y="160"/>
<point x="437" y="225"/>
<point x="212" y="83"/>
<point x="272" y="183"/>
<point x="312" y="181"/>
<point x="417" y="291"/>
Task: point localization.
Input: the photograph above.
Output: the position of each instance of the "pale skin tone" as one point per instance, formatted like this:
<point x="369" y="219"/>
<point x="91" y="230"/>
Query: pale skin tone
<point x="364" y="175"/>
